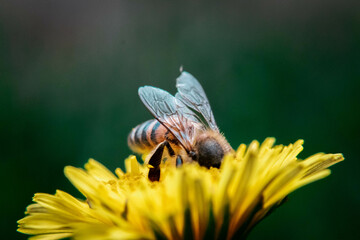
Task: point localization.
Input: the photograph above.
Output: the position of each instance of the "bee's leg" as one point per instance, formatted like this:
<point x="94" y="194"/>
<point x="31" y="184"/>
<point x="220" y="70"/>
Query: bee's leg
<point x="170" y="150"/>
<point x="179" y="161"/>
<point x="155" y="160"/>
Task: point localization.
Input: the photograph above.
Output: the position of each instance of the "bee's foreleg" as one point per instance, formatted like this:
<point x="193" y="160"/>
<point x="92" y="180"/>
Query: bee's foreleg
<point x="155" y="160"/>
<point x="179" y="161"/>
<point x="170" y="149"/>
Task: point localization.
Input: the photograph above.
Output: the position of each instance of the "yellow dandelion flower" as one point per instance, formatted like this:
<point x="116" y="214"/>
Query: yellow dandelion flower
<point x="189" y="202"/>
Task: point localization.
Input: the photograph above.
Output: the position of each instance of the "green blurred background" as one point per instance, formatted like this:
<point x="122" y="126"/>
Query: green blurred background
<point x="69" y="74"/>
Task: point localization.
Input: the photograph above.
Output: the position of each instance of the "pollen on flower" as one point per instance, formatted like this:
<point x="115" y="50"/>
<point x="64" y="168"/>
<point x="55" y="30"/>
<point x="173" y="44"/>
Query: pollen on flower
<point x="190" y="202"/>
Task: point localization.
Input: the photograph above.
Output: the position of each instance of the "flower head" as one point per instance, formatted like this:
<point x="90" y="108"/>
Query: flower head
<point x="189" y="202"/>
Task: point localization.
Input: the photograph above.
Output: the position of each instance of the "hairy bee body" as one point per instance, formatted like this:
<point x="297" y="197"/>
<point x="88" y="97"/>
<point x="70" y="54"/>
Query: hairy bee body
<point x="184" y="129"/>
<point x="146" y="137"/>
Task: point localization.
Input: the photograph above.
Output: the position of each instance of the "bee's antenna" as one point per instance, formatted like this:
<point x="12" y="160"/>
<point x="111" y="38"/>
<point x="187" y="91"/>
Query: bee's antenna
<point x="181" y="68"/>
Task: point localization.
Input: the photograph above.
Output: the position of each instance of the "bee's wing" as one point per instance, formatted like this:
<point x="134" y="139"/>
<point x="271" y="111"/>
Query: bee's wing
<point x="192" y="94"/>
<point x="170" y="112"/>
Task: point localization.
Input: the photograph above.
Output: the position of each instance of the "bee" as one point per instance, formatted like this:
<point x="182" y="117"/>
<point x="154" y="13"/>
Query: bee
<point x="184" y="129"/>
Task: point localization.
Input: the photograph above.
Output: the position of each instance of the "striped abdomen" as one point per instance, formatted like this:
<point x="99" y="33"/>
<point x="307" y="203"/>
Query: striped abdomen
<point x="146" y="136"/>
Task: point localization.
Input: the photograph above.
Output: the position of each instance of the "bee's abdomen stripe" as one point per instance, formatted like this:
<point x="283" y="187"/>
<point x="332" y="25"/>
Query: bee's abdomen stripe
<point x="137" y="135"/>
<point x="153" y="132"/>
<point x="131" y="139"/>
<point x="143" y="132"/>
<point x="148" y="132"/>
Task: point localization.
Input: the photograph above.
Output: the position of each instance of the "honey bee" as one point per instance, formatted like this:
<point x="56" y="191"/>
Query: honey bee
<point x="184" y="125"/>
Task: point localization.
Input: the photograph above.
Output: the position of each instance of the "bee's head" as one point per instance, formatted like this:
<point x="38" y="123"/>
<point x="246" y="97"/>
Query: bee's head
<point x="209" y="152"/>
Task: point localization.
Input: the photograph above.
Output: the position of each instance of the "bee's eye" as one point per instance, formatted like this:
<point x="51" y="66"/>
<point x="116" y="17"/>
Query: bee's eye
<point x="210" y="153"/>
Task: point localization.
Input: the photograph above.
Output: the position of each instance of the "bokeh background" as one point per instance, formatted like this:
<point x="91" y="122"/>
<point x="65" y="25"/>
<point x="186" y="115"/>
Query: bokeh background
<point x="70" y="70"/>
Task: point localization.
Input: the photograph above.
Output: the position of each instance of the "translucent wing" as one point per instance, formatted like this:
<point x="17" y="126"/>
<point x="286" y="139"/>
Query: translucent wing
<point x="172" y="113"/>
<point x="192" y="94"/>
